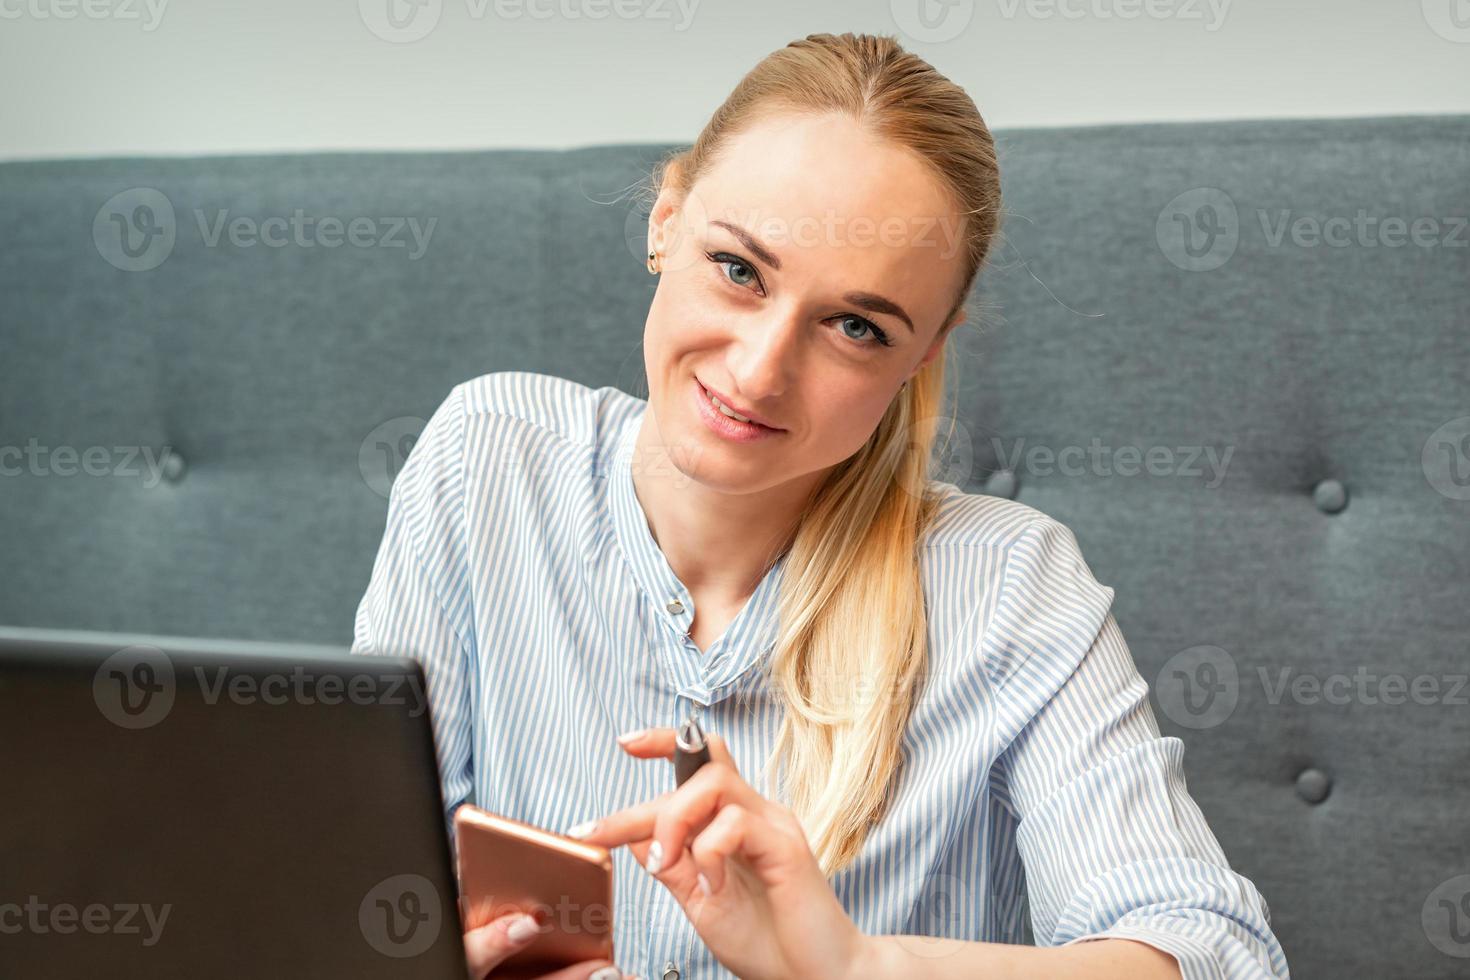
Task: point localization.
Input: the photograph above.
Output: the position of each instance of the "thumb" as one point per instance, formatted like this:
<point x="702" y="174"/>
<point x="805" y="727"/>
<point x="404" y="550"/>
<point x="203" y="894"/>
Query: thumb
<point x="487" y="946"/>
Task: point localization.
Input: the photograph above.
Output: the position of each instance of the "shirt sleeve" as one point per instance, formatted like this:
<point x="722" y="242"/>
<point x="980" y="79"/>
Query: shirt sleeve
<point x="418" y="600"/>
<point x="1112" y="844"/>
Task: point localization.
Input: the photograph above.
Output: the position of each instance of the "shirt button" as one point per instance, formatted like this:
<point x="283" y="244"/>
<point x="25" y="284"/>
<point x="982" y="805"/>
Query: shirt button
<point x="671" y="972"/>
<point x="675" y="606"/>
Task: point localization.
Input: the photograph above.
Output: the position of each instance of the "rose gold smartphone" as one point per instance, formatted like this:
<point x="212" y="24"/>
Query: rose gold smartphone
<point x="507" y="866"/>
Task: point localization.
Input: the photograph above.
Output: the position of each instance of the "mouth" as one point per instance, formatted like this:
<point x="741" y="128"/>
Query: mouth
<point x="726" y="421"/>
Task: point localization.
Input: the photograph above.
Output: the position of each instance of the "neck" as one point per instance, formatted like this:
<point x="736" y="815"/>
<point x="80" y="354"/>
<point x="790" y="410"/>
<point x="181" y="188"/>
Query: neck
<point x="717" y="543"/>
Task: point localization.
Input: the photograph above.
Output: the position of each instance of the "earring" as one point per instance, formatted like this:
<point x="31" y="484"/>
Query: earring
<point x="652" y="269"/>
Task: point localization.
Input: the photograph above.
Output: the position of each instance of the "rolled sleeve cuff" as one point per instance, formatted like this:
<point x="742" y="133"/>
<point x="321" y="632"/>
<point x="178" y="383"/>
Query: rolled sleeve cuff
<point x="1213" y="957"/>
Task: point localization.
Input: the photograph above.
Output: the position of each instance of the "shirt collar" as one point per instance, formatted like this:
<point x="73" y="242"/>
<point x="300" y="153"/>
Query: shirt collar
<point x="706" y="676"/>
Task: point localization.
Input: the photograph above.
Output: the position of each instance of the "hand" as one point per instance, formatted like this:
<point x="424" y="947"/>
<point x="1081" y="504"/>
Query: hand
<point x="769" y="913"/>
<point x="488" y="946"/>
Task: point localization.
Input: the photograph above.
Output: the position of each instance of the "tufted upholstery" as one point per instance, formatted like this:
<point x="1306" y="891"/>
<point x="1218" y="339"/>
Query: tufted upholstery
<point x="1297" y="499"/>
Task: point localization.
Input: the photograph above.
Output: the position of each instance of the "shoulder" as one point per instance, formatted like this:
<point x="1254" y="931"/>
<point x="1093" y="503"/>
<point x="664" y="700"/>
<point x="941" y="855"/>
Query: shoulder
<point x="984" y="547"/>
<point x="560" y="407"/>
<point x="1021" y="568"/>
<point x="977" y="520"/>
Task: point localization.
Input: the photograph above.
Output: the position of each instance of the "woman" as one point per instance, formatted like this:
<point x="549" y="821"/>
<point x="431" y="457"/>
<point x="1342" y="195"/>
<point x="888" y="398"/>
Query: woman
<point x="935" y="675"/>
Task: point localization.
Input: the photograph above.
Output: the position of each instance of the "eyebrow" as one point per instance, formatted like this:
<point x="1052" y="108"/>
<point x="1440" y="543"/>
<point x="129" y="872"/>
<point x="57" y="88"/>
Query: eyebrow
<point x="871" y="302"/>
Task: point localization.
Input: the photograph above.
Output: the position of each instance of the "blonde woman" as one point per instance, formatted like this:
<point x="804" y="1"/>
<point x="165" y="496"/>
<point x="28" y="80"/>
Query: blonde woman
<point x="926" y="723"/>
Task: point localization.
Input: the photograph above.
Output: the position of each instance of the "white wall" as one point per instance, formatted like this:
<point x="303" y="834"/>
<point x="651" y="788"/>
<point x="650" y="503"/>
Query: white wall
<point x="111" y="77"/>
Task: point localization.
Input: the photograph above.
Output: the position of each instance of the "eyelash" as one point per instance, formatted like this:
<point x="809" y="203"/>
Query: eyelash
<point x="725" y="258"/>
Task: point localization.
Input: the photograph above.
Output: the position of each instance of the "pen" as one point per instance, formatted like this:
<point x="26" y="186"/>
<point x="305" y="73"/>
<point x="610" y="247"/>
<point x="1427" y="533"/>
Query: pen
<point x="690" y="748"/>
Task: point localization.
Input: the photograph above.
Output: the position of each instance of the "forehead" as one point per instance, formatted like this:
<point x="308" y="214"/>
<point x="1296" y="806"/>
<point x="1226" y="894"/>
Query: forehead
<point x="824" y="194"/>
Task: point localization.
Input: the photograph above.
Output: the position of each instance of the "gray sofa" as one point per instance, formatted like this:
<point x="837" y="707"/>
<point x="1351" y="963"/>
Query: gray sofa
<point x="1234" y="358"/>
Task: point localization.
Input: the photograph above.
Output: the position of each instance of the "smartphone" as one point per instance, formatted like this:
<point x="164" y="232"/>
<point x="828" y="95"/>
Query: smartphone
<point x="506" y="865"/>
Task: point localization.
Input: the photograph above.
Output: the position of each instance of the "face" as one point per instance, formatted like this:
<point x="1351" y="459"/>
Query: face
<point x="802" y="281"/>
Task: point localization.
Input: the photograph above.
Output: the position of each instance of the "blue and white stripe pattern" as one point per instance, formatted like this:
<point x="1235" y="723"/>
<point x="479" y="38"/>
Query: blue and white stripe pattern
<point x="518" y="567"/>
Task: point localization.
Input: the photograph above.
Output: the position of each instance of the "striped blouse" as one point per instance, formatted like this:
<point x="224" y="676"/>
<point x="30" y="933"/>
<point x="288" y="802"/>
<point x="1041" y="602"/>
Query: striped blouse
<point x="518" y="567"/>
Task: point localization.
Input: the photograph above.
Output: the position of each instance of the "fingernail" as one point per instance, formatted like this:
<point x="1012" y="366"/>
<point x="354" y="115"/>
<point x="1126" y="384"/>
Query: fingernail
<point x="582" y="829"/>
<point x="607" y="973"/>
<point x="655" y="858"/>
<point x="632" y="736"/>
<point x="522" y="929"/>
<point x="704" y="883"/>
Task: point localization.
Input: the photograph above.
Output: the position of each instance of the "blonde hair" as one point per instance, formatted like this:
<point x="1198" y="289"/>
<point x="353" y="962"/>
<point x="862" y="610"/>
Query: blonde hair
<point x="851" y="607"/>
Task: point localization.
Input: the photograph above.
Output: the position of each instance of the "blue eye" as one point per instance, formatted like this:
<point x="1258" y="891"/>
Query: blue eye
<point x="879" y="336"/>
<point x="726" y="259"/>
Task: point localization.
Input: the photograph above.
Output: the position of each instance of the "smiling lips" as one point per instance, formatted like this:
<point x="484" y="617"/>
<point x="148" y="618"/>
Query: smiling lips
<point x="722" y="423"/>
<point x="724" y="405"/>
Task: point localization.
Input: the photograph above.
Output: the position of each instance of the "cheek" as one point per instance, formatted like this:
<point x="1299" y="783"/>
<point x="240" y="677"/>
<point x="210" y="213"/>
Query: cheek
<point x="845" y="421"/>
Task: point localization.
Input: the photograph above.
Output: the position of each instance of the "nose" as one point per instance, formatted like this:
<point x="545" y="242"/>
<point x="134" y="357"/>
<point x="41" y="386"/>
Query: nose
<point x="763" y="359"/>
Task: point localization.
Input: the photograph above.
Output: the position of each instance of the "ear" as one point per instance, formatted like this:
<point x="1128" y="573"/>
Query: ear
<point x="664" y="212"/>
<point x="938" y="344"/>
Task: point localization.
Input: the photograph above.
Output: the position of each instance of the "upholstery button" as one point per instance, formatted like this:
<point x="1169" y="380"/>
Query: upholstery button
<point x="174" y="467"/>
<point x="1313" y="785"/>
<point x="675" y="606"/>
<point x="1002" y="483"/>
<point x="671" y="971"/>
<point x="1330" y="496"/>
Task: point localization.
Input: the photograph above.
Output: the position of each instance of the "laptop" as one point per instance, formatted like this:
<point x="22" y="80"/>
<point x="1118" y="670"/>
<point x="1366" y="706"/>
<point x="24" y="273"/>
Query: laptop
<point x="196" y="809"/>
